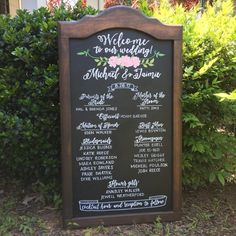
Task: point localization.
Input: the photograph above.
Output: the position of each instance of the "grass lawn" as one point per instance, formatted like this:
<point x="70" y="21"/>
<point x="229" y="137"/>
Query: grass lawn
<point x="209" y="211"/>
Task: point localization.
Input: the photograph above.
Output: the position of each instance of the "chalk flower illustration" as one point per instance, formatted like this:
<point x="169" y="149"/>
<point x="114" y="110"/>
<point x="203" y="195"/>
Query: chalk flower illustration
<point x="123" y="61"/>
<point x="113" y="61"/>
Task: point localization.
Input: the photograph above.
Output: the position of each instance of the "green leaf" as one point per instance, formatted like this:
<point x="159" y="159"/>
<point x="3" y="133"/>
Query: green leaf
<point x="221" y="178"/>
<point x="204" y="68"/>
<point x="86" y="52"/>
<point x="217" y="155"/>
<point x="212" y="177"/>
<point x="45" y="25"/>
<point x="228" y="166"/>
<point x="158" y="54"/>
<point x="188" y="70"/>
<point x="27" y="28"/>
<point x="226" y="96"/>
<point x="72" y="223"/>
<point x="81" y="53"/>
<point x="192" y="120"/>
<point x="198" y="147"/>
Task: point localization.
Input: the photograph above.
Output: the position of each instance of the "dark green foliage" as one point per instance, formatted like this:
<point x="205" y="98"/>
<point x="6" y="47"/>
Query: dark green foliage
<point x="29" y="96"/>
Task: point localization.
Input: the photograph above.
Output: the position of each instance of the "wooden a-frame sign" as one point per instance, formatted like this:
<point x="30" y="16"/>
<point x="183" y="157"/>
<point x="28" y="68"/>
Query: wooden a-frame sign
<point x="120" y="89"/>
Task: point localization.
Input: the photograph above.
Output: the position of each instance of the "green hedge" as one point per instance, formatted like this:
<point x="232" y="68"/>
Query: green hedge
<point x="209" y="67"/>
<point x="29" y="101"/>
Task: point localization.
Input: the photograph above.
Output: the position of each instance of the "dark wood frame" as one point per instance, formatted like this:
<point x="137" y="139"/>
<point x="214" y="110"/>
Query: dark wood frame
<point x="117" y="17"/>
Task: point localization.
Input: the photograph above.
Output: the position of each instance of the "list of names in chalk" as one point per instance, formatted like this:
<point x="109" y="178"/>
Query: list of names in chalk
<point x="122" y="126"/>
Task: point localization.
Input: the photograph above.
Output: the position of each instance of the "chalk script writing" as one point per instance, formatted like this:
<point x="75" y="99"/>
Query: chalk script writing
<point x="100" y="126"/>
<point x="123" y="184"/>
<point x="151" y="202"/>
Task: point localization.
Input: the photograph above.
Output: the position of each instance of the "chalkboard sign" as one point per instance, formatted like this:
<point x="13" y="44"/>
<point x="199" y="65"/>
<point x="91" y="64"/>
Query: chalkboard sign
<point x="120" y="79"/>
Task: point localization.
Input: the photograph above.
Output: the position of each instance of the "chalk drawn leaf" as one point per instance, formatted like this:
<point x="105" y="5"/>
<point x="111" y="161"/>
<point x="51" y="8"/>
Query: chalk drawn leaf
<point x="158" y="54"/>
<point x="81" y="53"/>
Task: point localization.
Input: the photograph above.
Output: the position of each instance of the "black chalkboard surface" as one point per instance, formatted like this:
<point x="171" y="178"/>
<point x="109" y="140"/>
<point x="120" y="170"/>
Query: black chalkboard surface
<point x="120" y="111"/>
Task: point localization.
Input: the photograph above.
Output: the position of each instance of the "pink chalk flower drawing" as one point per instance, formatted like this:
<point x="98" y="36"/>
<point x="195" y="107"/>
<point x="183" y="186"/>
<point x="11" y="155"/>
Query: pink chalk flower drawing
<point x="123" y="61"/>
<point x="113" y="61"/>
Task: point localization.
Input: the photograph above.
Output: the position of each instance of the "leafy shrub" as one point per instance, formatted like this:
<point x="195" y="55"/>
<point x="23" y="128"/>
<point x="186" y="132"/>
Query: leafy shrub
<point x="111" y="3"/>
<point x="209" y="50"/>
<point x="146" y="6"/>
<point x="29" y="104"/>
<point x="29" y="101"/>
<point x="187" y="4"/>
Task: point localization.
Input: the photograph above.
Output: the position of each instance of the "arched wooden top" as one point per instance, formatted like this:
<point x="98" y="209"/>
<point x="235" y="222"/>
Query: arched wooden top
<point x="119" y="17"/>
